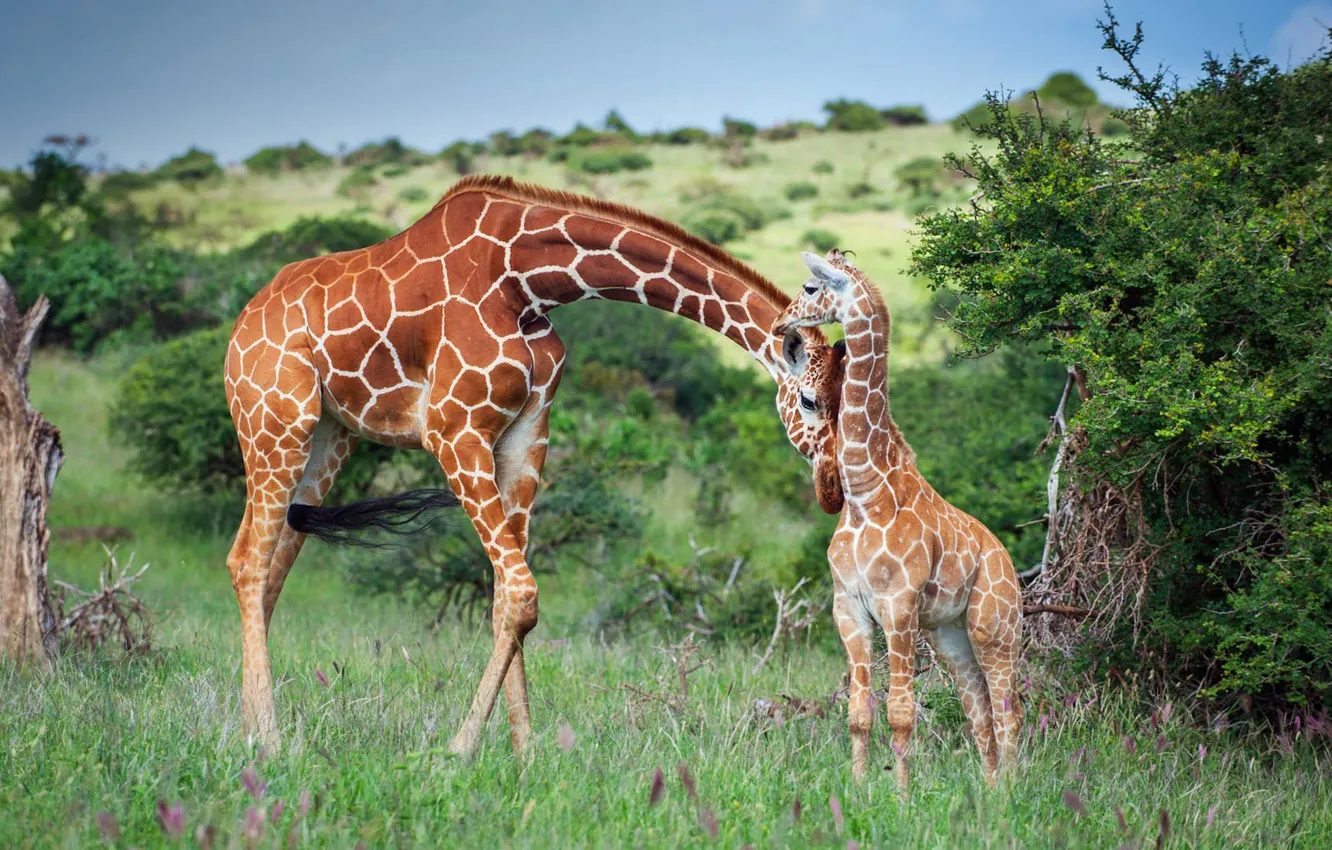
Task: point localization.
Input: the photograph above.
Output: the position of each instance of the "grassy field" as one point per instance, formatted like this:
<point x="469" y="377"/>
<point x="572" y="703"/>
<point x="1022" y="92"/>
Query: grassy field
<point x="108" y="739"/>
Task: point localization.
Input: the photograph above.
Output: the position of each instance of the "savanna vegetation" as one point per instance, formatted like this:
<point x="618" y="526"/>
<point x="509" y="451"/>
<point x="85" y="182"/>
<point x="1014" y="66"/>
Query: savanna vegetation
<point x="1162" y="266"/>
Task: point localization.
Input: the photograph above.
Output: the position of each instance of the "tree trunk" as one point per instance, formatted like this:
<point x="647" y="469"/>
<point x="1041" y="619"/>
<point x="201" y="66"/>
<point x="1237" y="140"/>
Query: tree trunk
<point x="30" y="457"/>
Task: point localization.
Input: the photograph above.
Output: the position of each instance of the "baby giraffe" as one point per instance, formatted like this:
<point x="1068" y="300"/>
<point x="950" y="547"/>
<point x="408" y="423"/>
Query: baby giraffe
<point x="902" y="557"/>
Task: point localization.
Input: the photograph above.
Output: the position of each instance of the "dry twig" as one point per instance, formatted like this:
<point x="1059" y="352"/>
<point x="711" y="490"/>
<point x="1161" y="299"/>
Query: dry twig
<point x="109" y="611"/>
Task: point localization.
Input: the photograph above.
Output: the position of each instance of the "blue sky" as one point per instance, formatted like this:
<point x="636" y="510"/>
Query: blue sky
<point x="148" y="78"/>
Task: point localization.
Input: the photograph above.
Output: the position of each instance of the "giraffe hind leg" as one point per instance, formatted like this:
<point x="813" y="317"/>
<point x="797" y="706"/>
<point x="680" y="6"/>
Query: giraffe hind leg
<point x="271" y="479"/>
<point x="330" y="447"/>
<point x="994" y="622"/>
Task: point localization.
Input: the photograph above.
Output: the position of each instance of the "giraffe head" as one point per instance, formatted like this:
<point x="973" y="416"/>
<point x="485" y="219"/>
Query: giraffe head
<point x="808" y="402"/>
<point x="826" y="297"/>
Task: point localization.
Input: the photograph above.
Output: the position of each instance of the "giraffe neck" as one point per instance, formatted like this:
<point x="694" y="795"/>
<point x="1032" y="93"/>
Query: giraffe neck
<point x="874" y="452"/>
<point x="550" y="254"/>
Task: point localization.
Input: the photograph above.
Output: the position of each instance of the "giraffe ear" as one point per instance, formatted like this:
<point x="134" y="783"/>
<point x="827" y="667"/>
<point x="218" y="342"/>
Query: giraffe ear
<point x="824" y="271"/>
<point x="793" y="351"/>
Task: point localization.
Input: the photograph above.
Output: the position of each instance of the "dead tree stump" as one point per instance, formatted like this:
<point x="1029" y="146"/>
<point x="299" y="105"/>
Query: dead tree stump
<point x="30" y="457"/>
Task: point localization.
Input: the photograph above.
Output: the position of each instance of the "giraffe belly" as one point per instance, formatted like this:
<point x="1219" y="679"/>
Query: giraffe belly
<point x="941" y="605"/>
<point x="390" y="419"/>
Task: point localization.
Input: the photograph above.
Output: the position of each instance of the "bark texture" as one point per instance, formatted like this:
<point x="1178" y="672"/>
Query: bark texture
<point x="30" y="457"/>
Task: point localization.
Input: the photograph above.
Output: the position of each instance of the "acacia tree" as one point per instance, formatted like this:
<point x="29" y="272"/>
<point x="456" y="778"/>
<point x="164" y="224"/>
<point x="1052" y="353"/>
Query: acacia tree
<point x="1183" y="277"/>
<point x="29" y="459"/>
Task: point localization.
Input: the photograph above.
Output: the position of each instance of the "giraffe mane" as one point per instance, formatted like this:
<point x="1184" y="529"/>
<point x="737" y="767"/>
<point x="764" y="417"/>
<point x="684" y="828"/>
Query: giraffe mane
<point x="496" y="184"/>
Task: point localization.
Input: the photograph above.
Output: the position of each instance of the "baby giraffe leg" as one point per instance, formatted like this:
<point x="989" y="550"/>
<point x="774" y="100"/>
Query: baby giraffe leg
<point x="954" y="647"/>
<point x="994" y="621"/>
<point x="859" y="658"/>
<point x="899" y="619"/>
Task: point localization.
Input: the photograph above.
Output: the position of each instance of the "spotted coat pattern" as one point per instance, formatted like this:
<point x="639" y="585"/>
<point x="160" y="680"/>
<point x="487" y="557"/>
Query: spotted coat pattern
<point x="902" y="558"/>
<point x="438" y="338"/>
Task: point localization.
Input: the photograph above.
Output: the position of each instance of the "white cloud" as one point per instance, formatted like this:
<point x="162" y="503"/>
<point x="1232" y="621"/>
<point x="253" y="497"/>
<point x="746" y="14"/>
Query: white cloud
<point x="1302" y="35"/>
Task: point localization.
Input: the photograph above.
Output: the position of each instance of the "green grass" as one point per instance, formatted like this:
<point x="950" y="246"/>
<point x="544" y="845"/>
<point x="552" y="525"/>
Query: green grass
<point x="112" y="734"/>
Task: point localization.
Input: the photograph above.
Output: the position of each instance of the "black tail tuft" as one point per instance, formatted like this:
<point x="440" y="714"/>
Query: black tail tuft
<point x="395" y="515"/>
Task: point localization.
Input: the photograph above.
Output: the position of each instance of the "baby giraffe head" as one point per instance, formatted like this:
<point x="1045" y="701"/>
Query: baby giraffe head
<point x="810" y="417"/>
<point x="825" y="297"/>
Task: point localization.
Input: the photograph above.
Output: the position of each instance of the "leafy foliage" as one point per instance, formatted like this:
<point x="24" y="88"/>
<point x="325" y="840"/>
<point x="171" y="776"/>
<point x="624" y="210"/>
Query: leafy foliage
<point x="685" y="136"/>
<point x="279" y="158"/>
<point x="853" y="115"/>
<point x="905" y="116"/>
<point x="391" y="151"/>
<point x="920" y="176"/>
<point x="171" y="410"/>
<point x="609" y="160"/>
<point x="461" y="155"/>
<point x="313" y="236"/>
<point x="821" y="240"/>
<point x="800" y="190"/>
<point x="193" y="166"/>
<point x="1068" y="89"/>
<point x="357" y="184"/>
<point x="1188" y="284"/>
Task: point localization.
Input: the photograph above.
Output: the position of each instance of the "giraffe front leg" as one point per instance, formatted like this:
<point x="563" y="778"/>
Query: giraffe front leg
<point x="856" y="638"/>
<point x="519" y="458"/>
<point x="899" y="620"/>
<point x="469" y="463"/>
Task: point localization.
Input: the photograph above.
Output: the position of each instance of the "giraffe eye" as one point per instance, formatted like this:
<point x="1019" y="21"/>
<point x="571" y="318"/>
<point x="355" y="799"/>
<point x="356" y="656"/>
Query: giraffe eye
<point x="811" y="286"/>
<point x="806" y="402"/>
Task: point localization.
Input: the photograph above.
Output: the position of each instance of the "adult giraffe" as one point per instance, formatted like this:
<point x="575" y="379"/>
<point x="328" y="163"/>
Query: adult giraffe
<point x="437" y="338"/>
<point x="902" y="556"/>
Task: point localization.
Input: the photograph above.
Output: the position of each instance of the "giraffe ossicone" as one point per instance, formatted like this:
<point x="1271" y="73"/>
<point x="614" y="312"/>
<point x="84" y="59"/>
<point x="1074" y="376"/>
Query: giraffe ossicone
<point x="438" y="338"/>
<point x="902" y="558"/>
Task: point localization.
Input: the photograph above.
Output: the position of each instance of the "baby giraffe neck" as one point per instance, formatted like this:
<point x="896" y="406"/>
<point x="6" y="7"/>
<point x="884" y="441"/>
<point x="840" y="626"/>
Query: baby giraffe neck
<point x="872" y="447"/>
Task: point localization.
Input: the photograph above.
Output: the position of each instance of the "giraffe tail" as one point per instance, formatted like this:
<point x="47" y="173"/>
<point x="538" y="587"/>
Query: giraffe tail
<point x="403" y="515"/>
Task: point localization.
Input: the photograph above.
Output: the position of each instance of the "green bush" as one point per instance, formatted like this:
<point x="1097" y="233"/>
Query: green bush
<point x="920" y="176"/>
<point x="735" y="128"/>
<point x="978" y="118"/>
<point x="609" y="160"/>
<point x="822" y="241"/>
<point x="823" y="166"/>
<point x="391" y="151"/>
<point x="299" y="157"/>
<point x="193" y="166"/>
<point x="686" y="136"/>
<point x="1112" y="127"/>
<point x="98" y="289"/>
<point x="616" y="124"/>
<point x="580" y="136"/>
<point x="413" y="195"/>
<point x="313" y="236"/>
<point x="461" y="156"/>
<point x="853" y="116"/>
<point x="357" y="184"/>
<point x="1065" y="88"/>
<point x="122" y="183"/>
<point x="715" y="225"/>
<point x="1187" y="284"/>
<point x="171" y="412"/>
<point x="535" y="142"/>
<point x="780" y="132"/>
<point x="800" y="190"/>
<point x="905" y="116"/>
